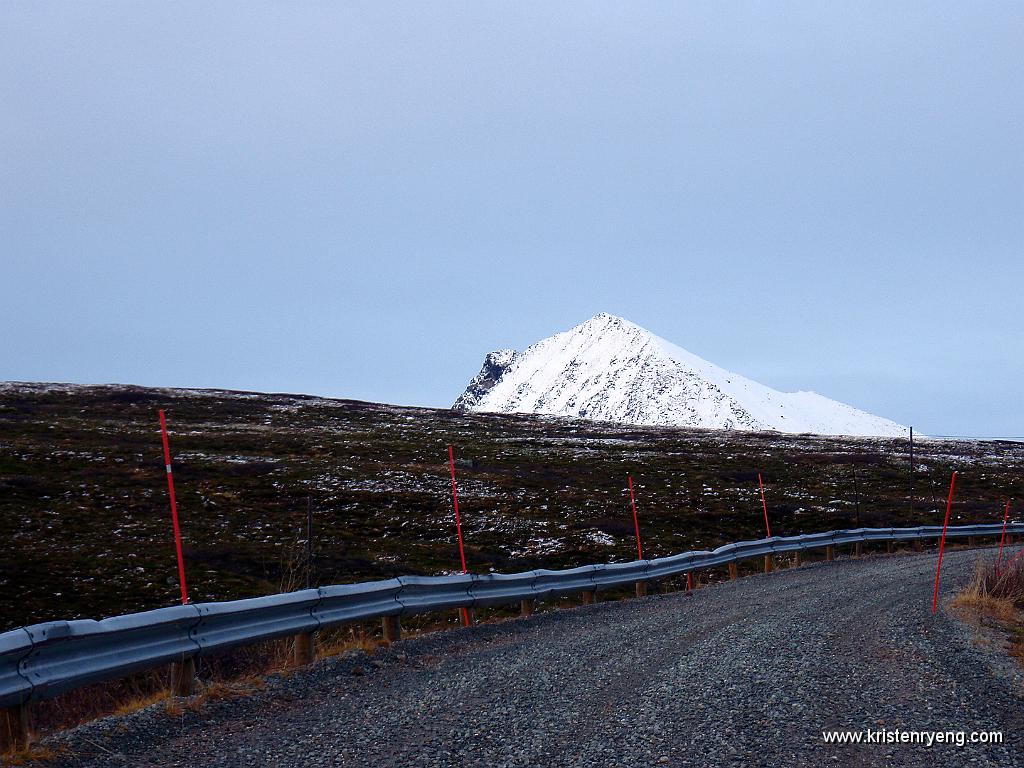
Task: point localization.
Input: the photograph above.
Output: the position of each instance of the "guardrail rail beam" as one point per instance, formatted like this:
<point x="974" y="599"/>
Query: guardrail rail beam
<point x="45" y="660"/>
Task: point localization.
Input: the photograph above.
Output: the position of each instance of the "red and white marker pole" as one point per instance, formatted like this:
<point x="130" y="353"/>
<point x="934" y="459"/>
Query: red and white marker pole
<point x="636" y="520"/>
<point x="458" y="527"/>
<point x="174" y="510"/>
<point x="1015" y="558"/>
<point x="1002" y="538"/>
<point x="764" y="506"/>
<point x="942" y="545"/>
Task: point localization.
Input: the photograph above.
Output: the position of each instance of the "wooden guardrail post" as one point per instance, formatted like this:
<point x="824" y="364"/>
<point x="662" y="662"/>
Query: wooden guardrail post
<point x="689" y="582"/>
<point x="304" y="649"/>
<point x="858" y="549"/>
<point x="589" y="597"/>
<point x="183" y="677"/>
<point x="889" y="546"/>
<point x="526" y="608"/>
<point x="733" y="571"/>
<point x="392" y="629"/>
<point x="641" y="589"/>
<point x="14" y="732"/>
<point x="971" y="541"/>
<point x="769" y="564"/>
<point x="796" y="559"/>
<point x="918" y="545"/>
<point x="830" y="553"/>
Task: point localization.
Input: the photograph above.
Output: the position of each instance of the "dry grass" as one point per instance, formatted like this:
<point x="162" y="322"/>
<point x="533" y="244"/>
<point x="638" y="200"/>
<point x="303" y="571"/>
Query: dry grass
<point x="995" y="594"/>
<point x="214" y="691"/>
<point x="34" y="754"/>
<point x="140" y="702"/>
<point x="93" y="701"/>
<point x="238" y="672"/>
<point x="344" y="639"/>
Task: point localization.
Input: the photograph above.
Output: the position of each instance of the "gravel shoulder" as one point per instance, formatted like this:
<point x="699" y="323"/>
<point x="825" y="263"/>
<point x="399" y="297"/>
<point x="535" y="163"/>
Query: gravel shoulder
<point x="745" y="673"/>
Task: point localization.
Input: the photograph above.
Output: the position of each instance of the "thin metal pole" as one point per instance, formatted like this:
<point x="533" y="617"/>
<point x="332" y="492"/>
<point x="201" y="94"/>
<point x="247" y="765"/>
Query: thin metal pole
<point x="174" y="510"/>
<point x="636" y="520"/>
<point x="309" y="542"/>
<point x="911" y="471"/>
<point x="1002" y="537"/>
<point x="942" y="545"/>
<point x="458" y="526"/>
<point x="764" y="505"/>
<point x="856" y="494"/>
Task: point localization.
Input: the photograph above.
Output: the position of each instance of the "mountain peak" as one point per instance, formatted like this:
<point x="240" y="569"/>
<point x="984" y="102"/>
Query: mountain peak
<point x="610" y="369"/>
<point x="606" y="321"/>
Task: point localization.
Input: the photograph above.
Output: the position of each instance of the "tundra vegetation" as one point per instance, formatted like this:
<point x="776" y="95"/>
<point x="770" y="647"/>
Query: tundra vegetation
<point x="86" y="532"/>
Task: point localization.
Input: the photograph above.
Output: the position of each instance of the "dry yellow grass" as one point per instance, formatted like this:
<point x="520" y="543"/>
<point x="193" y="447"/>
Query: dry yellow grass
<point x="339" y="642"/>
<point x="215" y="691"/>
<point x="995" y="596"/>
<point x="174" y="707"/>
<point x="140" y="702"/>
<point x="34" y="754"/>
<point x="977" y="606"/>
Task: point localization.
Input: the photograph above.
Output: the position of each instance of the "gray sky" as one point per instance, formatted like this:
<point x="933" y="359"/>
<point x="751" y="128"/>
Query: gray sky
<point x="361" y="200"/>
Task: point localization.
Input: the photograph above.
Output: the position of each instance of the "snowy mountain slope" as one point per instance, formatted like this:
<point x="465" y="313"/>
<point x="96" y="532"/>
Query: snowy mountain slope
<point x="609" y="369"/>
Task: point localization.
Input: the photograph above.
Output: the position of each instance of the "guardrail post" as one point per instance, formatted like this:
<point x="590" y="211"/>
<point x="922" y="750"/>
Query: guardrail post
<point x="183" y="676"/>
<point x="733" y="571"/>
<point x="971" y="541"/>
<point x="392" y="629"/>
<point x="769" y="564"/>
<point x="796" y="559"/>
<point x="830" y="553"/>
<point x="304" y="649"/>
<point x="526" y="608"/>
<point x="14" y="734"/>
<point x="689" y="582"/>
<point x="589" y="597"/>
<point x="641" y="589"/>
<point x="918" y="545"/>
<point x="889" y="546"/>
<point x="858" y="549"/>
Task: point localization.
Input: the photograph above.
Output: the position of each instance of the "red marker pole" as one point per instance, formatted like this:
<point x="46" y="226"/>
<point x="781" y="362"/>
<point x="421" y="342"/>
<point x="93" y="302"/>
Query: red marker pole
<point x="942" y="545"/>
<point x="764" y="506"/>
<point x="458" y="526"/>
<point x="1002" y="538"/>
<point x="636" y="520"/>
<point x="174" y="510"/>
<point x="1015" y="558"/>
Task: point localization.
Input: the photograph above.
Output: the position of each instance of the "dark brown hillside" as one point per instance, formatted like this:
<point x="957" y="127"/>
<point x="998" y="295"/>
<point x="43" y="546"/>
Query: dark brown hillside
<point x="85" y="526"/>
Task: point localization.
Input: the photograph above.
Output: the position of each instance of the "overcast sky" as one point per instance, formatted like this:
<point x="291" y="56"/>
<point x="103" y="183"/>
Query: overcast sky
<point x="361" y="200"/>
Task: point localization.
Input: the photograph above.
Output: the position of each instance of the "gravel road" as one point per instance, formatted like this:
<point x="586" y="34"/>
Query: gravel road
<point x="745" y="673"/>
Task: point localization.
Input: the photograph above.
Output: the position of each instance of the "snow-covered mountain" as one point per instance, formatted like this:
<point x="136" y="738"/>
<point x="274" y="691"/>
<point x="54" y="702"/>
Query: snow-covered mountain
<point x="608" y="369"/>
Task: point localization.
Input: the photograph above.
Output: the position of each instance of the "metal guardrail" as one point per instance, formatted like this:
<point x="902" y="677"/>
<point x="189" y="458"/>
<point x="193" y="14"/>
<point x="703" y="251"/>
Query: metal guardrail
<point x="44" y="660"/>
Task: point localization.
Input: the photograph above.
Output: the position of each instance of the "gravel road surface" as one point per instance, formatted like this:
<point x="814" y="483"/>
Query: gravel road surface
<point x="746" y="673"/>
